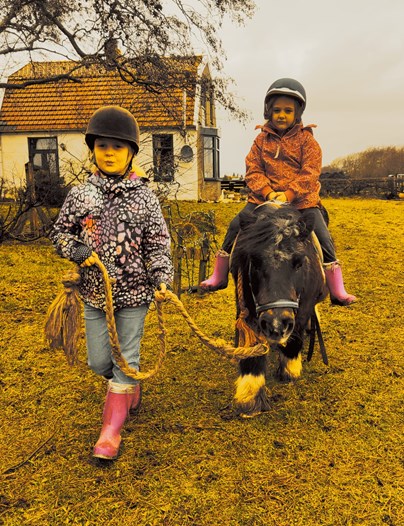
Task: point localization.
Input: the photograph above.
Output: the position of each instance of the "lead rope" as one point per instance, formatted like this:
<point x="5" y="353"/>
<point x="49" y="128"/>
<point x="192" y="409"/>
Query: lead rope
<point x="53" y="330"/>
<point x="217" y="345"/>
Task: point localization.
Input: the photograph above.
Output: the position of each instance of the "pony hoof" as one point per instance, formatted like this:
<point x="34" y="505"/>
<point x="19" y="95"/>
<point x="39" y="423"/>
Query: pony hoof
<point x="284" y="377"/>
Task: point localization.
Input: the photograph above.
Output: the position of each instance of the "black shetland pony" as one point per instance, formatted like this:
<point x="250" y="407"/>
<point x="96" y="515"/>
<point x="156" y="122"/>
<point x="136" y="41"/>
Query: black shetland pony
<point x="279" y="279"/>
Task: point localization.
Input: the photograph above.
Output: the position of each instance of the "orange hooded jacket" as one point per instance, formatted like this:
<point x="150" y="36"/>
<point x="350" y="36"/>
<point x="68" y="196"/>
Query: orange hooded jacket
<point x="291" y="164"/>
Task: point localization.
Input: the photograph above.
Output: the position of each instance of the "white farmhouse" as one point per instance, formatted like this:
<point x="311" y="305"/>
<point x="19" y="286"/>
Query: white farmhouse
<point x="44" y="124"/>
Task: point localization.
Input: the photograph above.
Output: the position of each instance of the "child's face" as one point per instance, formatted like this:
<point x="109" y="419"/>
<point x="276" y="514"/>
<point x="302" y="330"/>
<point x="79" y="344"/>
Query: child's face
<point x="283" y="113"/>
<point x="112" y="155"/>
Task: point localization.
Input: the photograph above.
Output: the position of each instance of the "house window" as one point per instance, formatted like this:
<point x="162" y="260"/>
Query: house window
<point x="163" y="158"/>
<point x="49" y="186"/>
<point x="43" y="154"/>
<point x="211" y="166"/>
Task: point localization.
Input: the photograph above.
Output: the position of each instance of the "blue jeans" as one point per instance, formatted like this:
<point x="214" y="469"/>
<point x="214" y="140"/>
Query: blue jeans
<point x="129" y="325"/>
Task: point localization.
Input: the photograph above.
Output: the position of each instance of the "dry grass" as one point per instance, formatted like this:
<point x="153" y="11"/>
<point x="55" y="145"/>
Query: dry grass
<point x="329" y="453"/>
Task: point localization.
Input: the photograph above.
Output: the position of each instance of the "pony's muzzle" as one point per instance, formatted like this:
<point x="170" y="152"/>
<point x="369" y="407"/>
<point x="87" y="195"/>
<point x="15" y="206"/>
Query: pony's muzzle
<point x="277" y="324"/>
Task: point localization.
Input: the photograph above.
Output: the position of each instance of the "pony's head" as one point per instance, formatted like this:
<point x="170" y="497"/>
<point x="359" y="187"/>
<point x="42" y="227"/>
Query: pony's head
<point x="272" y="256"/>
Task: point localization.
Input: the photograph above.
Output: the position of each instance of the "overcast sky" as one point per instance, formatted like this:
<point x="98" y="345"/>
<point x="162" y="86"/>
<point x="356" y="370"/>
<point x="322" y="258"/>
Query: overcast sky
<point x="349" y="56"/>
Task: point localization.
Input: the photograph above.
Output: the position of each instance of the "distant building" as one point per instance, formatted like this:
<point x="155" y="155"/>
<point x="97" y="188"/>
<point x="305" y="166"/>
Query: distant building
<point x="44" y="124"/>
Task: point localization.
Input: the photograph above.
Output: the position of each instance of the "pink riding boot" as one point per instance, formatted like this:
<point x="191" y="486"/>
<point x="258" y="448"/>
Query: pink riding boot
<point x="335" y="284"/>
<point x="121" y="400"/>
<point x="220" y="276"/>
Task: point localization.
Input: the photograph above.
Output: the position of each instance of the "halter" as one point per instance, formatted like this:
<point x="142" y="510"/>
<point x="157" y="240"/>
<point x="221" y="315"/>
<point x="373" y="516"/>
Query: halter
<point x="277" y="304"/>
<point x="284" y="304"/>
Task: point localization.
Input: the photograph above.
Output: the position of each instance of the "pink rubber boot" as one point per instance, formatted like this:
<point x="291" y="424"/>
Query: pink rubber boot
<point x="220" y="276"/>
<point x="120" y="401"/>
<point x="335" y="284"/>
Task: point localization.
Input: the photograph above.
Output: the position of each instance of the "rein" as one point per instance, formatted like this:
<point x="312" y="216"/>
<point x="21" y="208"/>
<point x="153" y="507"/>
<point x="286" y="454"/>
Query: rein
<point x="316" y="329"/>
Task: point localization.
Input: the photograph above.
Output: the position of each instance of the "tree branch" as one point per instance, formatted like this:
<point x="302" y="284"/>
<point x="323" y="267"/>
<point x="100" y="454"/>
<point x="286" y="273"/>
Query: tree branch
<point x="46" y="80"/>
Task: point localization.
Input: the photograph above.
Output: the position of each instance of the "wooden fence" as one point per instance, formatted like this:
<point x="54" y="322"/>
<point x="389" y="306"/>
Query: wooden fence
<point x="389" y="187"/>
<point x="193" y="239"/>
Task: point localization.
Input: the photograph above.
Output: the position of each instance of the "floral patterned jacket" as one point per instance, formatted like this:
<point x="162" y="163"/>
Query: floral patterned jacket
<point x="291" y="163"/>
<point x="120" y="220"/>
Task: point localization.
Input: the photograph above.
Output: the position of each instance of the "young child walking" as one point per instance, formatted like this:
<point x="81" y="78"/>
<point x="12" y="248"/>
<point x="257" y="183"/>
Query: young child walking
<point x="284" y="164"/>
<point x="115" y="216"/>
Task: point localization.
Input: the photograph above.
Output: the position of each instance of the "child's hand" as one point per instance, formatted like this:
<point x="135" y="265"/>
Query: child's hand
<point x="162" y="288"/>
<point x="90" y="261"/>
<point x="279" y="196"/>
<point x="160" y="293"/>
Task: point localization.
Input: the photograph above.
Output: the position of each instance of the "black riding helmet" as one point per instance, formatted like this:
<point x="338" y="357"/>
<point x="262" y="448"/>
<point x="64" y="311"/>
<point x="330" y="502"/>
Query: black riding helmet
<point x="113" y="122"/>
<point x="288" y="87"/>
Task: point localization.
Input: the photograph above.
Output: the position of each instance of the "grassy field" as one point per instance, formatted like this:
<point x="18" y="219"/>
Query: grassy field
<point x="330" y="452"/>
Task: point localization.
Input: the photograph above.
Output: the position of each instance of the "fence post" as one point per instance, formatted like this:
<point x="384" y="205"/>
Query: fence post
<point x="177" y="265"/>
<point x="31" y="214"/>
<point x="203" y="262"/>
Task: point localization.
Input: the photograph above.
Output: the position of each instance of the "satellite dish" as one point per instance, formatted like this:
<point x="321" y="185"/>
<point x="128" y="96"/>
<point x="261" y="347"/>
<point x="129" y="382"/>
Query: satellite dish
<point x="186" y="154"/>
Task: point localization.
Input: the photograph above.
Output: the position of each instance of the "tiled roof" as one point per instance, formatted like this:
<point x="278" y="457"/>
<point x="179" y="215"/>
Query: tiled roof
<point x="67" y="105"/>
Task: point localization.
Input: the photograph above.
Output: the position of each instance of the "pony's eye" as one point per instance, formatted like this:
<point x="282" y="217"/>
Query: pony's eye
<point x="297" y="262"/>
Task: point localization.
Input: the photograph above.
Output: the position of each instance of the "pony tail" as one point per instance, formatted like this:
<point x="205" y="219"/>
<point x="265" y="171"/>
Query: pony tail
<point x="62" y="327"/>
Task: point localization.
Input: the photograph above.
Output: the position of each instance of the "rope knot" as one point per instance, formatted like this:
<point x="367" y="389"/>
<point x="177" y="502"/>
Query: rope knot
<point x="71" y="280"/>
<point x="244" y="313"/>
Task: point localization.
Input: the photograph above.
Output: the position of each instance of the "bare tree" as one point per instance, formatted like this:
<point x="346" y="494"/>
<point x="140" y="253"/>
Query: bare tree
<point x="132" y="37"/>
<point x="371" y="163"/>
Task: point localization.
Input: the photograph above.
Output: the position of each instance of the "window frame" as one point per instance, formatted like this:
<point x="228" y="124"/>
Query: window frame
<point x="44" y="153"/>
<point x="214" y="150"/>
<point x="167" y="153"/>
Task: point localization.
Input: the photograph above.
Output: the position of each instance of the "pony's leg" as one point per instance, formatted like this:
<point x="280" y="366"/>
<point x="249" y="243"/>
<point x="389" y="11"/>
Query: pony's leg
<point x="251" y="396"/>
<point x="289" y="368"/>
<point x="290" y="359"/>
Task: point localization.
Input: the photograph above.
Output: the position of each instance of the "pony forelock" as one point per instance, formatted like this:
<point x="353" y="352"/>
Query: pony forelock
<point x="275" y="233"/>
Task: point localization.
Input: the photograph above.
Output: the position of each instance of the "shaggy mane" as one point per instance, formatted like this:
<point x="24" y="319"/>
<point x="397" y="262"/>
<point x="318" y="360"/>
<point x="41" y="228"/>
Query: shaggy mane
<point x="273" y="230"/>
